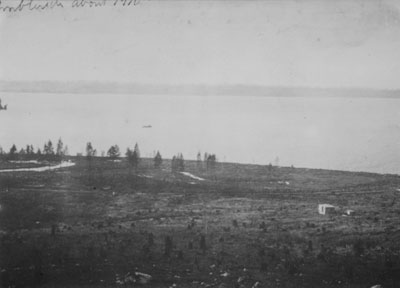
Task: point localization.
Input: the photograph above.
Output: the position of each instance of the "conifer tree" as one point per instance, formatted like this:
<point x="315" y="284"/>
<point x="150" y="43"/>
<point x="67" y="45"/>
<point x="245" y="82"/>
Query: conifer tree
<point x="157" y="160"/>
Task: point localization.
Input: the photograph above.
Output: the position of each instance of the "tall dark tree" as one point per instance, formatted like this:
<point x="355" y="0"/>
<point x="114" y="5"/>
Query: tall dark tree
<point x="181" y="162"/>
<point x="13" y="152"/>
<point x="136" y="149"/>
<point x="205" y="156"/>
<point x="157" y="160"/>
<point x="28" y="149"/>
<point x="211" y="161"/>
<point x="173" y="164"/>
<point x="66" y="151"/>
<point x="177" y="163"/>
<point x="60" y="147"/>
<point x="44" y="150"/>
<point x="133" y="158"/>
<point x="48" y="149"/>
<point x="60" y="150"/>
<point x="128" y="152"/>
<point x="113" y="152"/>
<point x="90" y="151"/>
<point x="199" y="162"/>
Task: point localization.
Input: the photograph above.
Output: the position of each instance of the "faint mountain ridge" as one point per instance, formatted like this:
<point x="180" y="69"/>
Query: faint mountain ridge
<point x="86" y="87"/>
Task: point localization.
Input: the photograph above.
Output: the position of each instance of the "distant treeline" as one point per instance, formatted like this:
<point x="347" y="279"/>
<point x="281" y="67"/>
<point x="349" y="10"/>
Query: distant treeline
<point x="49" y="152"/>
<point x="59" y="152"/>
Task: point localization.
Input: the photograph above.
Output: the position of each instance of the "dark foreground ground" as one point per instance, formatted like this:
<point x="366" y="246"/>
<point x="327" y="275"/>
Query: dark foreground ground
<point x="92" y="224"/>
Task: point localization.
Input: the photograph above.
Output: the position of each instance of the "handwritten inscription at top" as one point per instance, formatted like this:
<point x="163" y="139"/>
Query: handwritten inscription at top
<point x="11" y="6"/>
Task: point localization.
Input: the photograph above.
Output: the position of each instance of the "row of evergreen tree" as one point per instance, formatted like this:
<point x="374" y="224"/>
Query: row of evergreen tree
<point x="209" y="159"/>
<point x="58" y="153"/>
<point x="49" y="152"/>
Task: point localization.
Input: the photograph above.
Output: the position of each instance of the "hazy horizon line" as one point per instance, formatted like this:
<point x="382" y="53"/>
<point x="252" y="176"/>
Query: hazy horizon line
<point x="103" y="87"/>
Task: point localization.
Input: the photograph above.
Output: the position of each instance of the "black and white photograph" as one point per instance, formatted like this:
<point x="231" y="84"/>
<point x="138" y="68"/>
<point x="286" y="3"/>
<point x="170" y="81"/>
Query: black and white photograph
<point x="200" y="143"/>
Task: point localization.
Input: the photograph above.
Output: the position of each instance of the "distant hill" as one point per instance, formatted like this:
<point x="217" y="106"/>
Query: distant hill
<point x="228" y="90"/>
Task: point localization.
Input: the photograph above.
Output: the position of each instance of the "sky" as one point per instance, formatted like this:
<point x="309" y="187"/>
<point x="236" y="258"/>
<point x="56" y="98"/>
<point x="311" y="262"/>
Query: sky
<point x="272" y="43"/>
<point x="334" y="44"/>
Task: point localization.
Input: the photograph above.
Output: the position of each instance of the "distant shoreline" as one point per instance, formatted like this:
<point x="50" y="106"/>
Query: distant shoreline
<point x="86" y="87"/>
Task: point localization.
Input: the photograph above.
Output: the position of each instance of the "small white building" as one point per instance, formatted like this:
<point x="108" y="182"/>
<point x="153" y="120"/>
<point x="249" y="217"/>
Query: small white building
<point x="350" y="212"/>
<point x="326" y="209"/>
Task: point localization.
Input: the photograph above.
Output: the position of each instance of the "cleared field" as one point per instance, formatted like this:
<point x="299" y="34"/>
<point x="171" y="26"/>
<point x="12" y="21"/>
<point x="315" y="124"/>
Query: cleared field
<point x="242" y="226"/>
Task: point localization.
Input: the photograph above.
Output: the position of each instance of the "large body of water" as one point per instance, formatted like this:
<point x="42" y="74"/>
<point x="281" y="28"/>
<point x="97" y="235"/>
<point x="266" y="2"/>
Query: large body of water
<point x="346" y="133"/>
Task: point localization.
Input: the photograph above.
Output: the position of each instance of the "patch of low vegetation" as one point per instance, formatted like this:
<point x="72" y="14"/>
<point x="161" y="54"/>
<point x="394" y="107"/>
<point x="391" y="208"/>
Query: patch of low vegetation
<point x="131" y="222"/>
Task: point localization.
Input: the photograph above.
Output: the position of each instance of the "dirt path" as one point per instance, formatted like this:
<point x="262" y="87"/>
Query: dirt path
<point x="40" y="169"/>
<point x="192" y="176"/>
